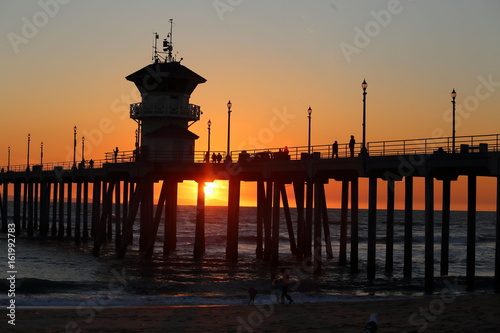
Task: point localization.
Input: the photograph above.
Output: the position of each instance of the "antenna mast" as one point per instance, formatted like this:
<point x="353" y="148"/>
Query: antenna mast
<point x="155" y="47"/>
<point x="168" y="45"/>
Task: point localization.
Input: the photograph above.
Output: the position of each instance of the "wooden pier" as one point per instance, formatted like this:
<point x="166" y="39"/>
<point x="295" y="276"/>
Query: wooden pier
<point x="120" y="192"/>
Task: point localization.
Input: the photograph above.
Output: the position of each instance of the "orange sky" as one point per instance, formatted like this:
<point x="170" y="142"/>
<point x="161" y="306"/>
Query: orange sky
<point x="270" y="59"/>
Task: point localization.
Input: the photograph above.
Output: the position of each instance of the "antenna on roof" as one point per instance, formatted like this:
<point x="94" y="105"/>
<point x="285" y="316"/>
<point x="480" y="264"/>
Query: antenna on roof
<point x="155" y="47"/>
<point x="168" y="46"/>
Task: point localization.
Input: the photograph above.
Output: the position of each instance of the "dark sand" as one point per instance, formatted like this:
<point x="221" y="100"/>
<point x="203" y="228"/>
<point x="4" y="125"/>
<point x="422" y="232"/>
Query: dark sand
<point x="442" y="313"/>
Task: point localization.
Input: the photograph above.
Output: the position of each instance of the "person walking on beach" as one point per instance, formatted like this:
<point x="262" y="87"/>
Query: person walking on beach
<point x="352" y="143"/>
<point x="335" y="149"/>
<point x="284" y="287"/>
<point x="277" y="289"/>
<point x="252" y="293"/>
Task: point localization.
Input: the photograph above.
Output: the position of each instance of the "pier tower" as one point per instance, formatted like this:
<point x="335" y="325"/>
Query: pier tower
<point x="164" y="115"/>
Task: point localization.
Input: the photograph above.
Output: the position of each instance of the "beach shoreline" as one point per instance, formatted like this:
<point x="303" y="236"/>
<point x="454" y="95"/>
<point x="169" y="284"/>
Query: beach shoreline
<point x="436" y="313"/>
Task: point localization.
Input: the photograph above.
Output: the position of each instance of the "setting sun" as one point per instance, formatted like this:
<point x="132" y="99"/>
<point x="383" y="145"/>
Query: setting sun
<point x="210" y="189"/>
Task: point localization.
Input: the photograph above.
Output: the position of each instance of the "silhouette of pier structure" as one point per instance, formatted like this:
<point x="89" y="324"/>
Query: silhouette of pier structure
<point x="103" y="201"/>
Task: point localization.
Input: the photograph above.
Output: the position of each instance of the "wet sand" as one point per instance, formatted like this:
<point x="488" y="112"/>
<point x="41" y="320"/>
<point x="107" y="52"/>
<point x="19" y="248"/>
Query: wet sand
<point x="441" y="313"/>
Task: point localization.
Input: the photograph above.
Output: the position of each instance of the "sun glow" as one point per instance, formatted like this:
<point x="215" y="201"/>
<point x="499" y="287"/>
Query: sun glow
<point x="210" y="189"/>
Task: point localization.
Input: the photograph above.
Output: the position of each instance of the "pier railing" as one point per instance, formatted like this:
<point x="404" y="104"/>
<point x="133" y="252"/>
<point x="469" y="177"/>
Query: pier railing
<point x="463" y="144"/>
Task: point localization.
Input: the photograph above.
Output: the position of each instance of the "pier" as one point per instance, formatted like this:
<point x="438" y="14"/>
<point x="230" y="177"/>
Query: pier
<point x="46" y="198"/>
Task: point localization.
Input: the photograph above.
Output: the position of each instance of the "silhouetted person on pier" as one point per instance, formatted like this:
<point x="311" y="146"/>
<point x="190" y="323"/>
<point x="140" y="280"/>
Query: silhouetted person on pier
<point x="91" y="164"/>
<point x="335" y="149"/>
<point x="352" y="143"/>
<point x="219" y="158"/>
<point x="214" y="158"/>
<point x="207" y="157"/>
<point x="116" y="154"/>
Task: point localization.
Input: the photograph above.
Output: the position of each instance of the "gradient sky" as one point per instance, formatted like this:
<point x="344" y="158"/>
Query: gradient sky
<point x="64" y="63"/>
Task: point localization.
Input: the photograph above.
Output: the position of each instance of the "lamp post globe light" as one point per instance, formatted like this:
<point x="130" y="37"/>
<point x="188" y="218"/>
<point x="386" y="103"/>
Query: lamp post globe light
<point x="229" y="105"/>
<point x="309" y="112"/>
<point x="209" y="124"/>
<point x="74" y="147"/>
<point x="364" y="85"/>
<point x="28" y="155"/>
<point x="453" y="96"/>
<point x="83" y="149"/>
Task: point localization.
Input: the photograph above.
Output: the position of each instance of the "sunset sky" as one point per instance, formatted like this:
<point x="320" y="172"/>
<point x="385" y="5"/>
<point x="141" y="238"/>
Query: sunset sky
<point x="64" y="64"/>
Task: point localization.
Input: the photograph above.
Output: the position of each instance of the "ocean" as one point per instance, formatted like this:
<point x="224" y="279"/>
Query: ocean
<point x="60" y="273"/>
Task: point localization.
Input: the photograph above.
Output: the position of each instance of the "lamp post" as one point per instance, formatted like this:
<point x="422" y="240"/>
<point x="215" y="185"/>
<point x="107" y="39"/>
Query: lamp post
<point x="364" y="85"/>
<point x="229" y="105"/>
<point x="28" y="157"/>
<point x="453" y="95"/>
<point x="83" y="149"/>
<point x="74" y="147"/>
<point x="8" y="159"/>
<point x="41" y="153"/>
<point x="136" y="139"/>
<point x="209" y="123"/>
<point x="309" y="112"/>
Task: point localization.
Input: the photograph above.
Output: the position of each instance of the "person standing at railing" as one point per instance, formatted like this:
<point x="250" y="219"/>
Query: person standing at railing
<point x="352" y="144"/>
<point x="335" y="149"/>
<point x="116" y="154"/>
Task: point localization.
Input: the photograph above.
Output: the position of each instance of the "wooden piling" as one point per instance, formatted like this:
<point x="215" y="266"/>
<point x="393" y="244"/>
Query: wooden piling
<point x="318" y="203"/>
<point x="5" y="205"/>
<point x="389" y="249"/>
<point x="100" y="237"/>
<point x="233" y="220"/>
<point x="78" y="213"/>
<point x="17" y="207"/>
<point x="288" y="219"/>
<point x="170" y="230"/>
<point x="429" y="235"/>
<point x="60" y="227"/>
<point x="326" y="224"/>
<point x="53" y="230"/>
<point x="146" y="215"/>
<point x="372" y="228"/>
<point x="309" y="219"/>
<point x="199" y="239"/>
<point x="68" y="211"/>
<point x="30" y="209"/>
<point x="35" y="204"/>
<point x="85" y="210"/>
<point x="445" y="227"/>
<point x="156" y="222"/>
<point x="354" y="226"/>
<point x="298" y="188"/>
<point x="471" y="232"/>
<point x="118" y="219"/>
<point x="128" y="229"/>
<point x="261" y="201"/>
<point x="343" y="223"/>
<point x="268" y="211"/>
<point x="408" y="236"/>
<point x="276" y="224"/>
<point x="25" y="205"/>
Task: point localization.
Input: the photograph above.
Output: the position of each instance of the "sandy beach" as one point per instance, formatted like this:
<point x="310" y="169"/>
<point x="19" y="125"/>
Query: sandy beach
<point x="441" y="313"/>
